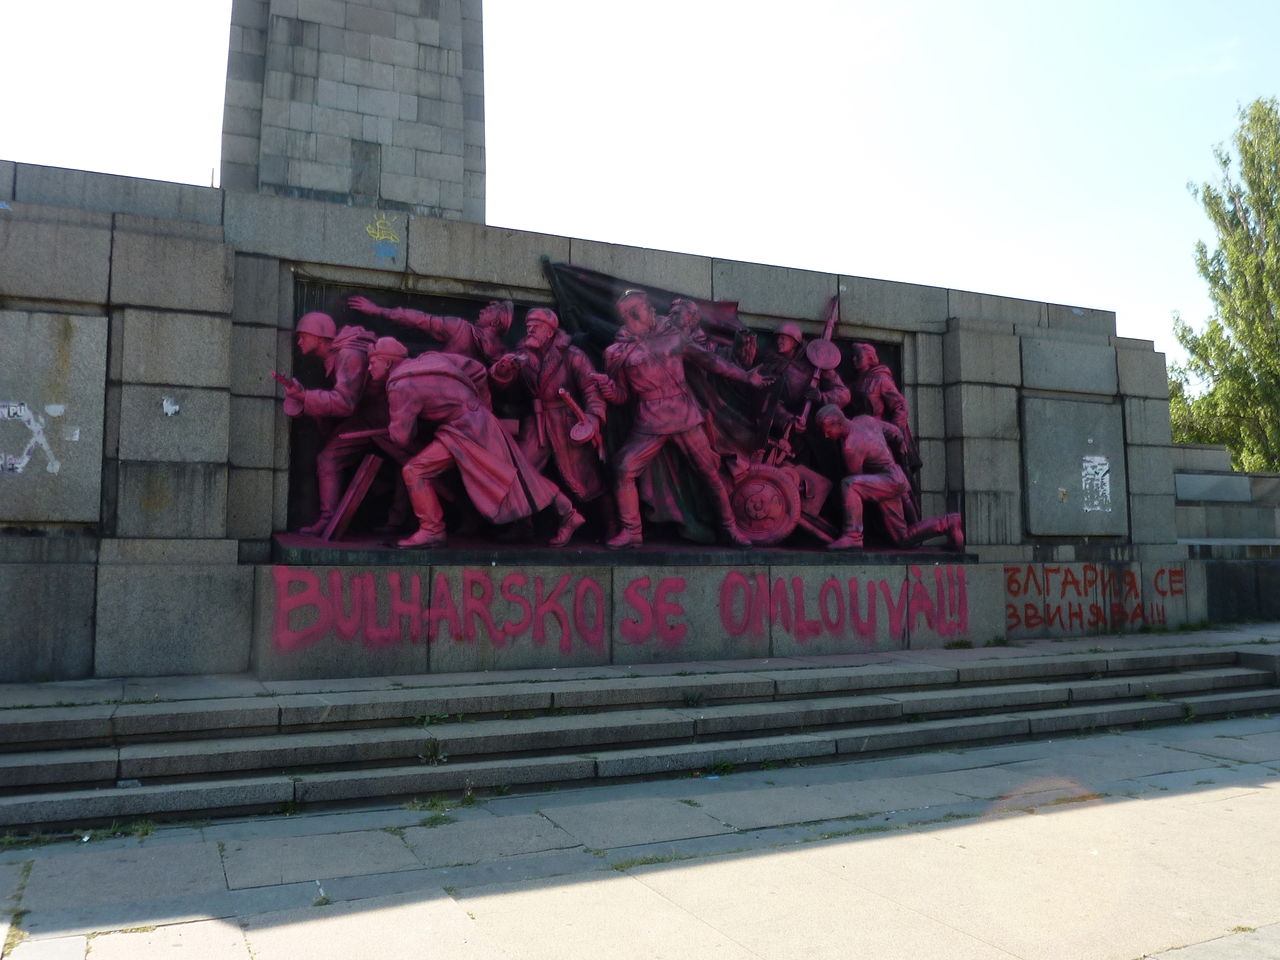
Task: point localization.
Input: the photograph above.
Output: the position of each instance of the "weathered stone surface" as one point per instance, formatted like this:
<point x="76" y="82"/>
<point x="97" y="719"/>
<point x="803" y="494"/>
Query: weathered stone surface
<point x="679" y="272"/>
<point x="156" y="620"/>
<point x="572" y="694"/>
<point x="58" y="186"/>
<point x="694" y="756"/>
<point x="257" y="291"/>
<point x="171" y="500"/>
<point x="995" y="518"/>
<point x="839" y="609"/>
<point x="862" y="677"/>
<point x="490" y="619"/>
<point x="929" y="412"/>
<point x="46" y="623"/>
<point x="315" y="232"/>
<point x="772" y="291"/>
<point x="954" y="603"/>
<point x="174" y="272"/>
<point x="249" y="494"/>
<point x="680" y="613"/>
<point x="982" y="410"/>
<point x="1075" y="468"/>
<point x="1069" y="366"/>
<point x="975" y="356"/>
<point x="1102" y="716"/>
<point x="1233" y="701"/>
<point x="337" y="621"/>
<point x="1147" y="422"/>
<point x="792" y="714"/>
<point x="1193" y="457"/>
<point x="52" y="390"/>
<point x="57" y="766"/>
<point x="1150" y="470"/>
<point x="472" y="251"/>
<point x="1142" y="374"/>
<point x="142" y="801"/>
<point x="952" y="730"/>
<point x="193" y="350"/>
<point x="235" y="715"/>
<point x="558" y="733"/>
<point x="40" y="724"/>
<point x="43" y="259"/>
<point x="418" y="779"/>
<point x="1207" y="486"/>
<point x="980" y="463"/>
<point x="1082" y="319"/>
<point x="1152" y="518"/>
<point x="253" y="352"/>
<point x="173" y="423"/>
<point x="895" y="306"/>
<point x="253" y="432"/>
<point x="7" y="168"/>
<point x="986" y="306"/>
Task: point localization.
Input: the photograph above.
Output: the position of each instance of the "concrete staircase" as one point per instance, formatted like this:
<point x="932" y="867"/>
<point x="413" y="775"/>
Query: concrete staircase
<point x="87" y="763"/>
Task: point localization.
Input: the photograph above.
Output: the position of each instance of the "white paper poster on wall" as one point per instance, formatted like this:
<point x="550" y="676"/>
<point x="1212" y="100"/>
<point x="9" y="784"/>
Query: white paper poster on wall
<point x="1095" y="484"/>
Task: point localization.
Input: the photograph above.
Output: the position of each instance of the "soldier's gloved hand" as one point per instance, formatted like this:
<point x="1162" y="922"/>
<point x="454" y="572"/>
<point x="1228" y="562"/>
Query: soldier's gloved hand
<point x="758" y="379"/>
<point x="813" y="394"/>
<point x="505" y="367"/>
<point x="364" y="305"/>
<point x="604" y="383"/>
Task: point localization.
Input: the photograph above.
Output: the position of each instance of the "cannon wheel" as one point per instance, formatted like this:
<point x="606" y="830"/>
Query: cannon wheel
<point x="766" y="504"/>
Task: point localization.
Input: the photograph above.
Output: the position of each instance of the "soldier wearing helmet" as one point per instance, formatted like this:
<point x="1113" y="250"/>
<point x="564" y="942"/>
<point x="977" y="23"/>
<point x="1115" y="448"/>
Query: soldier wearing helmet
<point x="352" y="400"/>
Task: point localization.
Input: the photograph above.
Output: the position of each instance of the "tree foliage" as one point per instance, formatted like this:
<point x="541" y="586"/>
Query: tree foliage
<point x="1229" y="390"/>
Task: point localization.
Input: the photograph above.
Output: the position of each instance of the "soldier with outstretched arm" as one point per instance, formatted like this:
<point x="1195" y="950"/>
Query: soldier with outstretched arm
<point x="481" y="340"/>
<point x="646" y="364"/>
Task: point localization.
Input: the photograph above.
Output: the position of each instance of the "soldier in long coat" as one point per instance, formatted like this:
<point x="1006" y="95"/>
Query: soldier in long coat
<point x="451" y="393"/>
<point x="546" y="364"/>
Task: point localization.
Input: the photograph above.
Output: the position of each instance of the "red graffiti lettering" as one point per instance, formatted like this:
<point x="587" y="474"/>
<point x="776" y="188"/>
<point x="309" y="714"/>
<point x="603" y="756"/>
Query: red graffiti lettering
<point x="665" y="612"/>
<point x="589" y="595"/>
<point x="288" y="639"/>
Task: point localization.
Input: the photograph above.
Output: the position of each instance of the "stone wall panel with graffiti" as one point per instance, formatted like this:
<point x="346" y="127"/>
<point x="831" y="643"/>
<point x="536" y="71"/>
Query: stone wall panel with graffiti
<point x="312" y="621"/>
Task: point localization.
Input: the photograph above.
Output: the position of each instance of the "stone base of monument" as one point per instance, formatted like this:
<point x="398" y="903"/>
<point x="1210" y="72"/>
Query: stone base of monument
<point x="359" y="609"/>
<point x="238" y="743"/>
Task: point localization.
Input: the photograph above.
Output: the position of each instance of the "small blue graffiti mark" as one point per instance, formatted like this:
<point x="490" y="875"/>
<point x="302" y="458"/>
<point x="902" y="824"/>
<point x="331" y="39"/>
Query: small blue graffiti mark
<point x="4" y="206"/>
<point x="384" y="237"/>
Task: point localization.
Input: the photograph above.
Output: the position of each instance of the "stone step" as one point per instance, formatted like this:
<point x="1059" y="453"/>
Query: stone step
<point x="573" y="763"/>
<point x="432" y="742"/>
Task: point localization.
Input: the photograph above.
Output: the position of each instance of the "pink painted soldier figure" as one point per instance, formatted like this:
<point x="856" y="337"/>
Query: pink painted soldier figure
<point x="794" y="372"/>
<point x="451" y="393"/>
<point x="646" y="363"/>
<point x="352" y="400"/>
<point x="868" y="445"/>
<point x="875" y="386"/>
<point x="481" y="340"/>
<point x="546" y="365"/>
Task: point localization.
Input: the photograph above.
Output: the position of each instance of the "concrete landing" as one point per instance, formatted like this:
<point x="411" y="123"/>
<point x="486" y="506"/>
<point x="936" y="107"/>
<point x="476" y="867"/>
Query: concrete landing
<point x="1101" y="848"/>
<point x="1159" y="842"/>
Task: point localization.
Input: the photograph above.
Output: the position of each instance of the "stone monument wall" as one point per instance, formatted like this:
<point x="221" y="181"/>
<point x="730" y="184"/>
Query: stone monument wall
<point x="377" y="103"/>
<point x="141" y="321"/>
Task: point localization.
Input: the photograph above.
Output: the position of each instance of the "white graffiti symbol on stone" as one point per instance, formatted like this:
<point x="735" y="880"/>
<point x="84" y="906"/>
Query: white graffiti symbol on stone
<point x="1095" y="480"/>
<point x="34" y="423"/>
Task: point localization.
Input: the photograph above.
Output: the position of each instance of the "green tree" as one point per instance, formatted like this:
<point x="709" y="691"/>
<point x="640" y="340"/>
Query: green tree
<point x="1229" y="390"/>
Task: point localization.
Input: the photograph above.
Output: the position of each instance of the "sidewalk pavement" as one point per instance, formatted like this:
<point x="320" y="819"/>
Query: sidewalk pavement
<point x="1161" y="842"/>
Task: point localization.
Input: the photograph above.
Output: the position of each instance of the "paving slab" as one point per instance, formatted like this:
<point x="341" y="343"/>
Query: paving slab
<point x="507" y="869"/>
<point x="207" y="940"/>
<point x="60" y="948"/>
<point x="1250" y="748"/>
<point x="1260" y="944"/>
<point x="589" y="914"/>
<point x="401" y="927"/>
<point x="263" y="862"/>
<point x="193" y="688"/>
<point x="62" y="692"/>
<point x="76" y="919"/>
<point x="315" y="824"/>
<point x="778" y="906"/>
<point x="624" y="822"/>
<point x="96" y="877"/>
<point x="488" y="839"/>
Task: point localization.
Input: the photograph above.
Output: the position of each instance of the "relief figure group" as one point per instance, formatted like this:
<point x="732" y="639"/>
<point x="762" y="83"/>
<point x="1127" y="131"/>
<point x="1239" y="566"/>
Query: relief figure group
<point x="671" y="421"/>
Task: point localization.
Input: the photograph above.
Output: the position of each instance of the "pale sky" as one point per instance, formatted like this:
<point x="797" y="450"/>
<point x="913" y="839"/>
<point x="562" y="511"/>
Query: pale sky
<point x="1017" y="147"/>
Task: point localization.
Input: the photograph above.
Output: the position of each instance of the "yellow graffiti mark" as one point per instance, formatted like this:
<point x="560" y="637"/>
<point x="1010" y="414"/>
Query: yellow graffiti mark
<point x="380" y="229"/>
